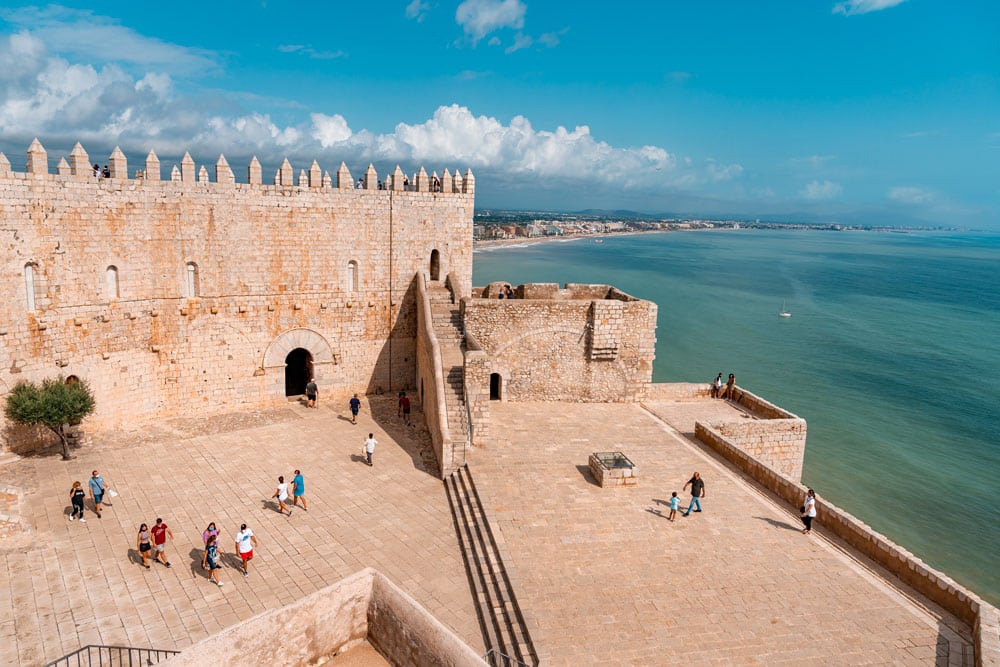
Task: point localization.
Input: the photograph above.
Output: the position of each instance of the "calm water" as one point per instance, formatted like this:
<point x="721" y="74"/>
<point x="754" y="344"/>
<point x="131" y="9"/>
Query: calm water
<point x="892" y="355"/>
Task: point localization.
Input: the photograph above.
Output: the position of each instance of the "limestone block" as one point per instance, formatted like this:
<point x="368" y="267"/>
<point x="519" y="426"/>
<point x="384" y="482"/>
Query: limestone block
<point x="117" y="164"/>
<point x="79" y="162"/>
<point x="254" y="176"/>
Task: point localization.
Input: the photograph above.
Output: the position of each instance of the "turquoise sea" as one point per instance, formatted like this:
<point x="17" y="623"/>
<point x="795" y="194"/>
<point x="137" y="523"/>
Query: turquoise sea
<point x="892" y="355"/>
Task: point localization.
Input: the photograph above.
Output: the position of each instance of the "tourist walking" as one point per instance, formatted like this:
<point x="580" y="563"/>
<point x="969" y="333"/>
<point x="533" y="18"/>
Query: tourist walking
<point x="76" y="496"/>
<point x="299" y="490"/>
<point x="312" y="391"/>
<point x="160" y="534"/>
<point x="355" y="408"/>
<point x="245" y="544"/>
<point x="97" y="488"/>
<point x="808" y="511"/>
<point x="281" y="493"/>
<point x="143" y="544"/>
<point x="211" y="560"/>
<point x="209" y="532"/>
<point x="730" y="390"/>
<point x="674" y="504"/>
<point x="369" y="448"/>
<point x="404" y="406"/>
<point x="697" y="485"/>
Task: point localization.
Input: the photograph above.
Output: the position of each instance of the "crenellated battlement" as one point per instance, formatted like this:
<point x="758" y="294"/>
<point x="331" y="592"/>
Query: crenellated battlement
<point x="78" y="167"/>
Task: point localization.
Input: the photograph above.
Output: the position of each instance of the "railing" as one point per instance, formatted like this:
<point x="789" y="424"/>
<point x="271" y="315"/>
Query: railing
<point x="498" y="659"/>
<point x="112" y="656"/>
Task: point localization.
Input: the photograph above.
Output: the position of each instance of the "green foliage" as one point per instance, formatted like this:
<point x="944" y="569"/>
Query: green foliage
<point x="52" y="404"/>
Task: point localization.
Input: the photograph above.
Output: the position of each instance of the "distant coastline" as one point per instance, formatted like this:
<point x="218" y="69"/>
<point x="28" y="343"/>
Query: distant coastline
<point x="521" y="241"/>
<point x="502" y="228"/>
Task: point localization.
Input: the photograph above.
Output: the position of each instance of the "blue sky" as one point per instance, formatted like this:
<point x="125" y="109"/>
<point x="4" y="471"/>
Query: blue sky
<point x="871" y="111"/>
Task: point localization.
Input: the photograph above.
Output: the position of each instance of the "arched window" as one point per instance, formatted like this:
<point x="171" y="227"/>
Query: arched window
<point x="29" y="284"/>
<point x="111" y="282"/>
<point x="352" y="276"/>
<point x="435" y="265"/>
<point x="192" y="280"/>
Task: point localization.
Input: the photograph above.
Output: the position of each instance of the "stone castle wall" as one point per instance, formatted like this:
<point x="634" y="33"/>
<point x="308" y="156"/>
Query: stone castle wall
<point x="96" y="283"/>
<point x="581" y="343"/>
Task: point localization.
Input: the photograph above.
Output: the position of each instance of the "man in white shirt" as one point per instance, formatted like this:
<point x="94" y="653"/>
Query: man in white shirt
<point x="245" y="543"/>
<point x="370" y="447"/>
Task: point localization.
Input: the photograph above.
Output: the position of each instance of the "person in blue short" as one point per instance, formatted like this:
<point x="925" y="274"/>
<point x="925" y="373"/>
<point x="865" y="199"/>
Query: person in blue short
<point x="299" y="490"/>
<point x="674" y="504"/>
<point x="96" y="491"/>
<point x="355" y="408"/>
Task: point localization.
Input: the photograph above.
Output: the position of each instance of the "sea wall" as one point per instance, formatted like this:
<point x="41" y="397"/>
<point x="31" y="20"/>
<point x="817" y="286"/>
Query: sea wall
<point x="899" y="562"/>
<point x="185" y="295"/>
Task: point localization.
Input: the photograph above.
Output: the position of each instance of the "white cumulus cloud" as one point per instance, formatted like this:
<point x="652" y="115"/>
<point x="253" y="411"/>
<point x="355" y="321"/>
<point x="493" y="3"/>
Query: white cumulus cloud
<point x="821" y="190"/>
<point x="853" y="7"/>
<point x="479" y="18"/>
<point x="417" y="10"/>
<point x="906" y="194"/>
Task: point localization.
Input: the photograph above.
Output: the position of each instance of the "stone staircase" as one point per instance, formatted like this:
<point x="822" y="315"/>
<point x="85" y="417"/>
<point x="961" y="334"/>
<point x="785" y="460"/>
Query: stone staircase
<point x="447" y="323"/>
<point x="504" y="631"/>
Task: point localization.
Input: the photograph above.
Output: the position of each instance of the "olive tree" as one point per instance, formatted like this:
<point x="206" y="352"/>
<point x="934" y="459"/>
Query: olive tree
<point x="52" y="405"/>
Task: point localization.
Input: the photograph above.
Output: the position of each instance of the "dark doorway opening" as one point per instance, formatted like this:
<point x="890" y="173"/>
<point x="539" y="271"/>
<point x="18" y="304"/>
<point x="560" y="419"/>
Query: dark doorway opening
<point x="496" y="384"/>
<point x="435" y="265"/>
<point x="298" y="371"/>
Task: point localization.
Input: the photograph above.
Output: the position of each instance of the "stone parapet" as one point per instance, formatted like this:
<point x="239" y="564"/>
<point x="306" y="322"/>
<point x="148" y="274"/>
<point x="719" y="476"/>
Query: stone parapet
<point x="311" y="631"/>
<point x="899" y="562"/>
<point x="430" y="384"/>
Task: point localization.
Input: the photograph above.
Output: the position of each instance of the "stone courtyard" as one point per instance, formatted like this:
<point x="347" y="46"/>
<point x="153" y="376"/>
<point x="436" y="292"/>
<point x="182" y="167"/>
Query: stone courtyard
<point x="600" y="575"/>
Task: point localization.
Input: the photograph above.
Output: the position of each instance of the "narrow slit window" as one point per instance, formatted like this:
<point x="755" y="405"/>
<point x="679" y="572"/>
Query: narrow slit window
<point x="352" y="276"/>
<point x="192" y="280"/>
<point x="29" y="285"/>
<point x="111" y="282"/>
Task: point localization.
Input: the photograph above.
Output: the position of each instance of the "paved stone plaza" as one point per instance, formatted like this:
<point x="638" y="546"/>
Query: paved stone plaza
<point x="601" y="576"/>
<point x="604" y="578"/>
<point x="73" y="584"/>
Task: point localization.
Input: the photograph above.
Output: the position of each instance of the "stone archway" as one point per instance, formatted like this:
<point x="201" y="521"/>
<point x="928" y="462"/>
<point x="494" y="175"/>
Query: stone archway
<point x="435" y="265"/>
<point x="294" y="354"/>
<point x="298" y="371"/>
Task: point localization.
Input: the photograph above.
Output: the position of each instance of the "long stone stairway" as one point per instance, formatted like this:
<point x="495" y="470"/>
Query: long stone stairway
<point x="504" y="630"/>
<point x="447" y="322"/>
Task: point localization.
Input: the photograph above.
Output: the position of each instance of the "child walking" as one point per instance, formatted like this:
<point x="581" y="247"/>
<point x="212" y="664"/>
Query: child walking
<point x="674" y="504"/>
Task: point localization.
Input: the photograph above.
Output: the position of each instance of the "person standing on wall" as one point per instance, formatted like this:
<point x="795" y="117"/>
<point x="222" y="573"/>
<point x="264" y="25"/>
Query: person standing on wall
<point x="808" y="511"/>
<point x="730" y="390"/>
<point x="717" y="386"/>
<point x="311" y="392"/>
<point x="697" y="485"/>
<point x="355" y="408"/>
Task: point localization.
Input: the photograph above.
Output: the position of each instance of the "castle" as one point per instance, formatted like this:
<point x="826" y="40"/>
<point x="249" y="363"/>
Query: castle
<point x="188" y="296"/>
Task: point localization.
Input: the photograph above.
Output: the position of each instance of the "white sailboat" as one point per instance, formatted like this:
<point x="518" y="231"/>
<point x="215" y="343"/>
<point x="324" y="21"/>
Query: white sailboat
<point x="784" y="311"/>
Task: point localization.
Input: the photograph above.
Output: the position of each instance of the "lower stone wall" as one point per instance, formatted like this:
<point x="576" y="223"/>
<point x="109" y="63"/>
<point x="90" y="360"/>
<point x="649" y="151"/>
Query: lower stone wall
<point x="407" y="635"/>
<point x="780" y="443"/>
<point x="476" y="376"/>
<point x="912" y="571"/>
<point x="362" y="606"/>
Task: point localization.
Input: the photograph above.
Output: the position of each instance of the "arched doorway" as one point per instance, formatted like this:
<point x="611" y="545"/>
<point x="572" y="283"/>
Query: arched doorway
<point x="298" y="371"/>
<point x="435" y="265"/>
<point x="496" y="386"/>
